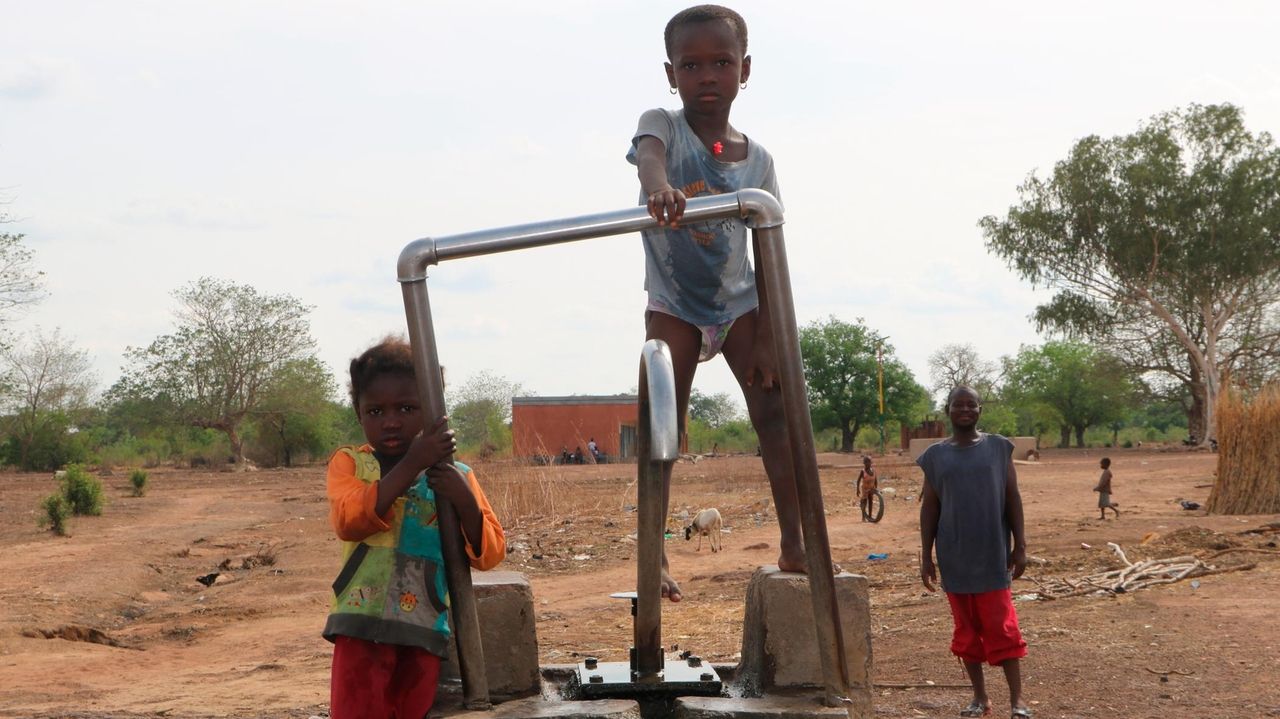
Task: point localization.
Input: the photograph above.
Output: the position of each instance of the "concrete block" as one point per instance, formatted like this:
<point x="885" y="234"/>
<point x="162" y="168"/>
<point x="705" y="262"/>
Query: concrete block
<point x="1021" y="446"/>
<point x="504" y="602"/>
<point x="779" y="641"/>
<point x="1024" y="446"/>
<point x="773" y="707"/>
<point x="916" y="447"/>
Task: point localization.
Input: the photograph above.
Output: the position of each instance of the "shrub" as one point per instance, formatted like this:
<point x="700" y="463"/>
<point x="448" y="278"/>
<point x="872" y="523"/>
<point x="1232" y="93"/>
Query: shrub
<point x="82" y="491"/>
<point x="138" y="478"/>
<point x="56" y="512"/>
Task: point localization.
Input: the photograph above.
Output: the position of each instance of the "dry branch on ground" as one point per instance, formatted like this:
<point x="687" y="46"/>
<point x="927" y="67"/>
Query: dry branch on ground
<point x="1132" y="576"/>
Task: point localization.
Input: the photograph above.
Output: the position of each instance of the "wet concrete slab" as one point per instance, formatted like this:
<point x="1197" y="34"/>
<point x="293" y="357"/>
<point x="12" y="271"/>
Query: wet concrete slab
<point x="539" y="708"/>
<point x="768" y="707"/>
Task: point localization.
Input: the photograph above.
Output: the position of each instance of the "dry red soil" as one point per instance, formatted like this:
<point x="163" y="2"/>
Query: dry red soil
<point x="112" y="622"/>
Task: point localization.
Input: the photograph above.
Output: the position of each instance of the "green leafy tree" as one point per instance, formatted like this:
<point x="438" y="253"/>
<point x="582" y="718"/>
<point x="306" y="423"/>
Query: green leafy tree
<point x="1083" y="387"/>
<point x="217" y="368"/>
<point x="480" y="412"/>
<point x="293" y="416"/>
<point x="713" y="410"/>
<point x="842" y="373"/>
<point x="998" y="417"/>
<point x="49" y="383"/>
<point x="1162" y="245"/>
<point x="132" y="427"/>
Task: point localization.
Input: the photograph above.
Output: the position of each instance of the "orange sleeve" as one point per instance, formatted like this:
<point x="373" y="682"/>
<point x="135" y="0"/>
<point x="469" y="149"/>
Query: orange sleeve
<point x="352" y="502"/>
<point x="493" y="542"/>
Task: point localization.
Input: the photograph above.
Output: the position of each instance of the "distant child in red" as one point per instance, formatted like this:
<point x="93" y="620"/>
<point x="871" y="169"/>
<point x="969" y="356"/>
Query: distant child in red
<point x="971" y="509"/>
<point x="389" y="616"/>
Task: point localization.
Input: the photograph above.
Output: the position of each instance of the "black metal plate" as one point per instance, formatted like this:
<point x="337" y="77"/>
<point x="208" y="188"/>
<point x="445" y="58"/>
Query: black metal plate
<point x="677" y="679"/>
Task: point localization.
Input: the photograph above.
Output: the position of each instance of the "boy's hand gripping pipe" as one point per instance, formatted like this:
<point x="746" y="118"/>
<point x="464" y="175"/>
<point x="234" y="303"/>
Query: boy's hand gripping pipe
<point x="763" y="214"/>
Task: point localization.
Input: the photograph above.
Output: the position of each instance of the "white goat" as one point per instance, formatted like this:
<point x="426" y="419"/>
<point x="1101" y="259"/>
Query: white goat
<point x="706" y="523"/>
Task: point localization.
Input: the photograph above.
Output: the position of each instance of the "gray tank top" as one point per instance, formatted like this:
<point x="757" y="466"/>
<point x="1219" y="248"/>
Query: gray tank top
<point x="973" y="532"/>
<point x="702" y="272"/>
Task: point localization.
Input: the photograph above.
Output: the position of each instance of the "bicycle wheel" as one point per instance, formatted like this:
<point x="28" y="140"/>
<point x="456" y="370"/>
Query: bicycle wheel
<point x="875" y="512"/>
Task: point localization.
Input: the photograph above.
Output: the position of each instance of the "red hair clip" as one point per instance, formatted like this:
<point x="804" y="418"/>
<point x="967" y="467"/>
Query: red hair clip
<point x="717" y="147"/>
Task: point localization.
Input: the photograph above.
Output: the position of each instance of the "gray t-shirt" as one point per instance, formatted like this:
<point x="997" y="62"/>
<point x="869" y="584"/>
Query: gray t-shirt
<point x="973" y="531"/>
<point x="701" y="272"/>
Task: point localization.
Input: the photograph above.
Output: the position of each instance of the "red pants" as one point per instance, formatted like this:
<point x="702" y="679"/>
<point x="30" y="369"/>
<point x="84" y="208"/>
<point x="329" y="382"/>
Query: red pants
<point x="381" y="681"/>
<point x="986" y="628"/>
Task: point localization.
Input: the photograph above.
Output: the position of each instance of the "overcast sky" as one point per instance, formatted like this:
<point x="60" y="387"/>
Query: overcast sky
<point x="297" y="147"/>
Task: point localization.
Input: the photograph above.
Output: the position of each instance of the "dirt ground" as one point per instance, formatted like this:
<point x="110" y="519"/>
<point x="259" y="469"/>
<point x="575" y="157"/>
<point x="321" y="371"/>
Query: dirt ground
<point x="112" y="622"/>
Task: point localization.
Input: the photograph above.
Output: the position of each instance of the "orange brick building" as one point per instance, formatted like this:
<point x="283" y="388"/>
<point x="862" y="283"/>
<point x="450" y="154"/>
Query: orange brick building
<point x="542" y="426"/>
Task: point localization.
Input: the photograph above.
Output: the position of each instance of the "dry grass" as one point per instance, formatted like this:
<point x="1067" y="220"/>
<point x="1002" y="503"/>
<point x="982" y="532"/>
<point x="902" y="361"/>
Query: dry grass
<point x="1248" y="454"/>
<point x="525" y="495"/>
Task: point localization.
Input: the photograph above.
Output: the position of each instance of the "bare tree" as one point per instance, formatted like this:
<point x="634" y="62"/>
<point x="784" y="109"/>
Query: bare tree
<point x="955" y="364"/>
<point x="20" y="282"/>
<point x="44" y="375"/>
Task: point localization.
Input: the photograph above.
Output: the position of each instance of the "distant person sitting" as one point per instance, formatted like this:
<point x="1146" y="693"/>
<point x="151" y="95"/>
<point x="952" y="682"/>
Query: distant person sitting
<point x="577" y="455"/>
<point x="565" y="457"/>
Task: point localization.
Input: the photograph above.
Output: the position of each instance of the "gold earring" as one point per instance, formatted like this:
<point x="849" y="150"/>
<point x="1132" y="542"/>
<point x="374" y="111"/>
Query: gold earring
<point x="673" y="91"/>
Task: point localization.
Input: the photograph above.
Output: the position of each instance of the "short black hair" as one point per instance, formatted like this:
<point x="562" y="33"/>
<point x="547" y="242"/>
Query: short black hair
<point x="958" y="389"/>
<point x="706" y="13"/>
<point x="1106" y="462"/>
<point x="392" y="355"/>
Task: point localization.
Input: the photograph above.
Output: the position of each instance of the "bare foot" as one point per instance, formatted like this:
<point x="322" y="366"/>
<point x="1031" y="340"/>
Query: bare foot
<point x="670" y="589"/>
<point x="799" y="563"/>
<point x="792" y="561"/>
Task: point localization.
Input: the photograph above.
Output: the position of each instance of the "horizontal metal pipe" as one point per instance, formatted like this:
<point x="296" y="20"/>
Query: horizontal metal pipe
<point x="761" y="211"/>
<point x="758" y="206"/>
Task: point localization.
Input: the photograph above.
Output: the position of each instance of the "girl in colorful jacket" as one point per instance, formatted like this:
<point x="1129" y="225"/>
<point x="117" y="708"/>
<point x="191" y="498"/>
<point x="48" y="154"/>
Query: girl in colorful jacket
<point x="388" y="618"/>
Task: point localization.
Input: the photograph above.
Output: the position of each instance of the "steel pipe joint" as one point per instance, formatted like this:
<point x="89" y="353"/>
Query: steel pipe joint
<point x="414" y="260"/>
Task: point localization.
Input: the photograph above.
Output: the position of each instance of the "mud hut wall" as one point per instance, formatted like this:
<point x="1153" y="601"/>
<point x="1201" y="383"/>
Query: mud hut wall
<point x="928" y="429"/>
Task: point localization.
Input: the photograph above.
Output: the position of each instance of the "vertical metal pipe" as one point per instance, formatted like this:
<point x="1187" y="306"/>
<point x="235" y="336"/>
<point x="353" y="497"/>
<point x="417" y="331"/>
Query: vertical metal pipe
<point x="786" y="338"/>
<point x="648" y="620"/>
<point x="657" y="444"/>
<point x="466" y="621"/>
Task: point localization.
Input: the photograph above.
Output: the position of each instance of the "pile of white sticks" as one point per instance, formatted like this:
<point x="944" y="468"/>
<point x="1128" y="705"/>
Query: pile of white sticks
<point x="1133" y="576"/>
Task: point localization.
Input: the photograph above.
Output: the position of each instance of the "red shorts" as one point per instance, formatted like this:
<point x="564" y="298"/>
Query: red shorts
<point x="381" y="681"/>
<point x="986" y="627"/>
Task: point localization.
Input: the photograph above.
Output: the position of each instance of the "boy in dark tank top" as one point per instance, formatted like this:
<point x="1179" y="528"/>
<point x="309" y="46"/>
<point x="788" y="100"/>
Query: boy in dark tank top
<point x="971" y="513"/>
